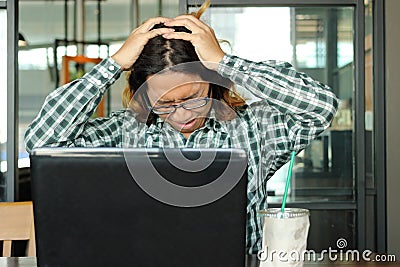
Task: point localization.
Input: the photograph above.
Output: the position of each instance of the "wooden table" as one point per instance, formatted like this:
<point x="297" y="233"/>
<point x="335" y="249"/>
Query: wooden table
<point x="251" y="262"/>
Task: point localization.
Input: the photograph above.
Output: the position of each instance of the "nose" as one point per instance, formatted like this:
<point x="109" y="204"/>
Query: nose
<point x="180" y="115"/>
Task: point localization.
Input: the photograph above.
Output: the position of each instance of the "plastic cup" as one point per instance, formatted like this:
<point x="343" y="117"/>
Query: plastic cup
<point x="284" y="237"/>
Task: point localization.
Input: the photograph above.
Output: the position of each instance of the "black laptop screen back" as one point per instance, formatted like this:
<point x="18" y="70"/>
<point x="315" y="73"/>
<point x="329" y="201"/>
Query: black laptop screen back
<point x="89" y="211"/>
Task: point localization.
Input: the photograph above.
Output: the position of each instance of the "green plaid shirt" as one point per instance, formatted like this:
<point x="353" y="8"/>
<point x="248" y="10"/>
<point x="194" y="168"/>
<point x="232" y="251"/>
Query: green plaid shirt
<point x="292" y="111"/>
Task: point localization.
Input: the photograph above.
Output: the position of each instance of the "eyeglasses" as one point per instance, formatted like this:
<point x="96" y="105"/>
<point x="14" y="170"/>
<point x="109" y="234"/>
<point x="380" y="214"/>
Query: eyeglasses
<point x="188" y="105"/>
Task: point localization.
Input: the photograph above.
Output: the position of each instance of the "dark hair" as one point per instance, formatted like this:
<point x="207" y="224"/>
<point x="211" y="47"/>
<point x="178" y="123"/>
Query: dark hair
<point x="160" y="54"/>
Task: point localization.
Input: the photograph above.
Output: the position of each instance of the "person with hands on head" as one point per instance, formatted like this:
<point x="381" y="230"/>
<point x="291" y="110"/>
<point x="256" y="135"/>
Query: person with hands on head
<point x="180" y="93"/>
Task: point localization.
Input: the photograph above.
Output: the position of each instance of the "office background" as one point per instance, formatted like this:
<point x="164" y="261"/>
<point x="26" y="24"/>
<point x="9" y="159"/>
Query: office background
<point x="347" y="177"/>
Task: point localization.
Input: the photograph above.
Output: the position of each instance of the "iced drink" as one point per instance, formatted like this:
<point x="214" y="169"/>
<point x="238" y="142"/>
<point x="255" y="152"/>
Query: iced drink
<point x="284" y="237"/>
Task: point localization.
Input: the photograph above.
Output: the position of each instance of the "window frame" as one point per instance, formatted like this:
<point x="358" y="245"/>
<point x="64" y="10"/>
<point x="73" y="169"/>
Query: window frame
<point x="12" y="99"/>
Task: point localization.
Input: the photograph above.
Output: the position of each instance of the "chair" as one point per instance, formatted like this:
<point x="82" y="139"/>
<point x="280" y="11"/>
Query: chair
<point x="16" y="223"/>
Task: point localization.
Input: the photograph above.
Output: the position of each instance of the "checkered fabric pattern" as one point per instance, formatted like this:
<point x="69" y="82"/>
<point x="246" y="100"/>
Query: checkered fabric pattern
<point x="293" y="110"/>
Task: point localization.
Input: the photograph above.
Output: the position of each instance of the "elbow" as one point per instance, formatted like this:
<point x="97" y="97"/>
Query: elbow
<point x="334" y="104"/>
<point x="29" y="144"/>
<point x="330" y="111"/>
<point x="326" y="112"/>
<point x="31" y="140"/>
<point x="29" y="148"/>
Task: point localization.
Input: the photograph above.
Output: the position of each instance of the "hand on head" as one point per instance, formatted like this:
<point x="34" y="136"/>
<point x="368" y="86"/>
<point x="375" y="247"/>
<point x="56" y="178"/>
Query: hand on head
<point x="133" y="46"/>
<point x="202" y="38"/>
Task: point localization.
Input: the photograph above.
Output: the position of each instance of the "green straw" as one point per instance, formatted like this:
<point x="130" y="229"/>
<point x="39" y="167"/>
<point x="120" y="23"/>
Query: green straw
<point x="289" y="175"/>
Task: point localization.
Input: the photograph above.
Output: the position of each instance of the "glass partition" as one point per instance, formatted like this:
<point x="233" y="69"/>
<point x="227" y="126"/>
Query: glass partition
<point x="116" y="19"/>
<point x="41" y="22"/>
<point x="320" y="42"/>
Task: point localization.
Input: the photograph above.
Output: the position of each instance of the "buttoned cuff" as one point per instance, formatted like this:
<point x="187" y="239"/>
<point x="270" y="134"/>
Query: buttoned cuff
<point x="104" y="74"/>
<point x="230" y="65"/>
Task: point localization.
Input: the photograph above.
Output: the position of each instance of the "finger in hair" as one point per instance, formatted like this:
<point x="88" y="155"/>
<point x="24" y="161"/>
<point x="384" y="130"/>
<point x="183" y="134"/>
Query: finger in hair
<point x="179" y="35"/>
<point x="149" y="23"/>
<point x="196" y="21"/>
<point x="190" y="25"/>
<point x="160" y="31"/>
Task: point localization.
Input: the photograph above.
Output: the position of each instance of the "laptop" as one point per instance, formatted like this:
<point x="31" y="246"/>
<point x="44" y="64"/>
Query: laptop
<point x="139" y="207"/>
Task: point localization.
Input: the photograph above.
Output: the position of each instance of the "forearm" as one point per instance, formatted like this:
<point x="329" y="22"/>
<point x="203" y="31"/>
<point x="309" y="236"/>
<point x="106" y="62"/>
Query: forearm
<point x="283" y="88"/>
<point x="66" y="110"/>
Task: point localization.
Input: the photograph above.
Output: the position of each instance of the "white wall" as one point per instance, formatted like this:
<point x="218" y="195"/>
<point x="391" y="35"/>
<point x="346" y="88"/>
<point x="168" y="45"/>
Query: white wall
<point x="393" y="124"/>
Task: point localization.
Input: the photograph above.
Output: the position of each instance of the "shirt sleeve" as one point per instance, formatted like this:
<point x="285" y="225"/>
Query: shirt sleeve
<point x="294" y="108"/>
<point x="64" y="119"/>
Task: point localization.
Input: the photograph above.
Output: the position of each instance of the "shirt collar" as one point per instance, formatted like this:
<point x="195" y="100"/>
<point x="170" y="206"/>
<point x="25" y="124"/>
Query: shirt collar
<point x="156" y="127"/>
<point x="213" y="123"/>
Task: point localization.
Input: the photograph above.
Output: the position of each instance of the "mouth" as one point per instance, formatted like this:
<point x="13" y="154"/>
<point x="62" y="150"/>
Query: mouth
<point x="186" y="125"/>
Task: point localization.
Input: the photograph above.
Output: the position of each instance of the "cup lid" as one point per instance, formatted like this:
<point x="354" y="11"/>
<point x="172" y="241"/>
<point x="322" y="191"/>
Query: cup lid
<point x="289" y="213"/>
